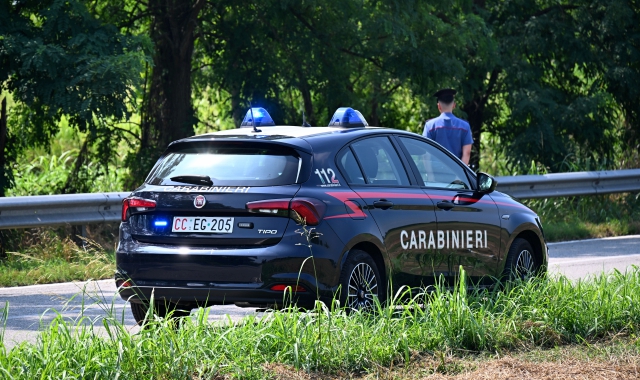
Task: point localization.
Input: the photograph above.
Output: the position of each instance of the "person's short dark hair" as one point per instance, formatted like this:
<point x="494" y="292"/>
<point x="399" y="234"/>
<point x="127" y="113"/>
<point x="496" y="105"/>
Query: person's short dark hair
<point x="445" y="95"/>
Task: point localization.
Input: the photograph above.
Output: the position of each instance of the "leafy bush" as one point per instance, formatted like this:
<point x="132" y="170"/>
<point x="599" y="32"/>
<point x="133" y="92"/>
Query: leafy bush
<point x="47" y="174"/>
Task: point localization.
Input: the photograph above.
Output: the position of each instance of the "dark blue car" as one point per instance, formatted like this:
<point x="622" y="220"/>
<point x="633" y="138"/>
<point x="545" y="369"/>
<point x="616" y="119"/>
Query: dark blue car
<point x="338" y="212"/>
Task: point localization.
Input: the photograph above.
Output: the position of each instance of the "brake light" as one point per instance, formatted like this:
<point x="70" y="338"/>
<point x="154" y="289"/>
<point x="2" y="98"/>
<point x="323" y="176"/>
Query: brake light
<point x="139" y="204"/>
<point x="123" y="284"/>
<point x="303" y="210"/>
<point x="283" y="287"/>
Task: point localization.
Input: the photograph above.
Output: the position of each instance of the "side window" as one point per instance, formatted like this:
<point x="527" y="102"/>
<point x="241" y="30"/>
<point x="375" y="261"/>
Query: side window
<point x="380" y="162"/>
<point x="435" y="167"/>
<point x="349" y="167"/>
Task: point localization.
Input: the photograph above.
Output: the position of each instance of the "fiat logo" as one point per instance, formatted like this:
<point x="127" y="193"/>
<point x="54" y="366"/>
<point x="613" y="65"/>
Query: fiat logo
<point x="199" y="201"/>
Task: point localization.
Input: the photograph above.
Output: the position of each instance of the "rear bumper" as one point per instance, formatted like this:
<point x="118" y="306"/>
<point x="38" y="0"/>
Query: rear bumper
<point x="225" y="275"/>
<point x="258" y="297"/>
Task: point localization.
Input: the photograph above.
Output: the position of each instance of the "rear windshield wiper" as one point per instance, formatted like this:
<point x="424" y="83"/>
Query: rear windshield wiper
<point x="194" y="179"/>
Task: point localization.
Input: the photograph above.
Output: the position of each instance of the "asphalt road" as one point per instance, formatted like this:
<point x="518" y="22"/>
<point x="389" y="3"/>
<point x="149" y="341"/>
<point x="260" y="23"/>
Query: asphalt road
<point x="32" y="308"/>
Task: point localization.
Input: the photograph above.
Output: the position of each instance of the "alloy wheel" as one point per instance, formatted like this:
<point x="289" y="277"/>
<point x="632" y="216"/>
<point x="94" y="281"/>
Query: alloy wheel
<point x="525" y="265"/>
<point x="363" y="287"/>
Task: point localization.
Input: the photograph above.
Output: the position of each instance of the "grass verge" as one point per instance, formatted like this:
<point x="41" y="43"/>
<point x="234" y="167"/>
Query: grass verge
<point x="541" y="314"/>
<point x="49" y="259"/>
<point x="595" y="216"/>
<point x="578" y="229"/>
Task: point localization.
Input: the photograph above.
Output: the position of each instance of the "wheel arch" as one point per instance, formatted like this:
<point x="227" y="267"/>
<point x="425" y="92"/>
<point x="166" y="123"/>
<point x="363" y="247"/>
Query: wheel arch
<point x="377" y="256"/>
<point x="533" y="239"/>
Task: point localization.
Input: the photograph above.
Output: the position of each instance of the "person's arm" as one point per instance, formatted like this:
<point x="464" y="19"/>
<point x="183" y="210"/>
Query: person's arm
<point x="467" y="142"/>
<point x="426" y="131"/>
<point x="466" y="153"/>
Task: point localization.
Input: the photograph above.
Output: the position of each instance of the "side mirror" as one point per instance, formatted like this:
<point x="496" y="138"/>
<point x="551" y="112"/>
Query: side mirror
<point x="486" y="183"/>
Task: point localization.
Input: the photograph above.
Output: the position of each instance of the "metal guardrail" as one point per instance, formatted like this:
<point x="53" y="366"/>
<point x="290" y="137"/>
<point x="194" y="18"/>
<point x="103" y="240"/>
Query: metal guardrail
<point x="51" y="210"/>
<point x="570" y="184"/>
<point x="80" y="209"/>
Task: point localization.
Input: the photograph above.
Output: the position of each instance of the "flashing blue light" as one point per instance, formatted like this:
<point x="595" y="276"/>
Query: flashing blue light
<point x="348" y="117"/>
<point x="160" y="223"/>
<point x="260" y="116"/>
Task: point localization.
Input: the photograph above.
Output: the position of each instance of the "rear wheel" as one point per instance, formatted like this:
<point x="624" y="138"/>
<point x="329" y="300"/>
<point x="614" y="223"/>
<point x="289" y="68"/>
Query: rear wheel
<point x="360" y="281"/>
<point x="521" y="261"/>
<point x="160" y="309"/>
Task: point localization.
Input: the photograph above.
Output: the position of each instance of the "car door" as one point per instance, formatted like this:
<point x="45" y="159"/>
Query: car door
<point x="402" y="211"/>
<point x="468" y="221"/>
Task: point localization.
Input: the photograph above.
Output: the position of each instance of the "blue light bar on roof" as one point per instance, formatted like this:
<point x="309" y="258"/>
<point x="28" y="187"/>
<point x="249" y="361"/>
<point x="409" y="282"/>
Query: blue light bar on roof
<point x="348" y="117"/>
<point x="259" y="115"/>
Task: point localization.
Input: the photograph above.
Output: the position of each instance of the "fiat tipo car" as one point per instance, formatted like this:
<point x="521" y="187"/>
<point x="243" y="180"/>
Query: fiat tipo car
<point x="340" y="212"/>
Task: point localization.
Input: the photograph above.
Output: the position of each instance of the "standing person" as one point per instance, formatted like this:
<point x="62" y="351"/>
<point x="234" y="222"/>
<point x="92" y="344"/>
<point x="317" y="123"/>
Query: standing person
<point x="448" y="130"/>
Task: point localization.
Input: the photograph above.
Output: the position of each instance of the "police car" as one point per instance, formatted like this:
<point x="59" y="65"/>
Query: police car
<point x="342" y="212"/>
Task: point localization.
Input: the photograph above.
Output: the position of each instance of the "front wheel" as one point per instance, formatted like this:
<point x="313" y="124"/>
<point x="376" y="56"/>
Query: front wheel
<point x="160" y="309"/>
<point x="360" y="282"/>
<point x="521" y="261"/>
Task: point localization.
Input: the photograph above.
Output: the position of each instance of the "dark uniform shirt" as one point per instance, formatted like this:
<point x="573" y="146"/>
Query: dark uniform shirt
<point x="449" y="131"/>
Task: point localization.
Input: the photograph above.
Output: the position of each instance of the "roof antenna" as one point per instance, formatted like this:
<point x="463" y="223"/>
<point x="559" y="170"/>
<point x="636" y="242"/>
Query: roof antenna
<point x="253" y="119"/>
<point x="304" y="121"/>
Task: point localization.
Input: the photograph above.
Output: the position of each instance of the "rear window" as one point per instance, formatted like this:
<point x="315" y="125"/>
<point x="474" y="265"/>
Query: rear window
<point x="235" y="166"/>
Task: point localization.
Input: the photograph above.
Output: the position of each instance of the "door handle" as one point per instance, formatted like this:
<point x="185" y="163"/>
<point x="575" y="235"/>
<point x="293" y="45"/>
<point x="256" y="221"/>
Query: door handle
<point x="445" y="205"/>
<point x="383" y="204"/>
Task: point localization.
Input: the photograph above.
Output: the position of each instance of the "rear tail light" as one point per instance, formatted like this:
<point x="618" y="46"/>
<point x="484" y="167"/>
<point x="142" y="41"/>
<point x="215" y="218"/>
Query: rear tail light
<point x="307" y="211"/>
<point x="123" y="284"/>
<point x="139" y="204"/>
<point x="283" y="287"/>
<point x="273" y="206"/>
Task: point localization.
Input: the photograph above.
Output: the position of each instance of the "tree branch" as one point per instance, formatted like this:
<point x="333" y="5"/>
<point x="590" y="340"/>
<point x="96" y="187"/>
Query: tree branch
<point x="127" y="131"/>
<point x="493" y="79"/>
<point x="344" y="50"/>
<point x="552" y="8"/>
<point x="217" y="128"/>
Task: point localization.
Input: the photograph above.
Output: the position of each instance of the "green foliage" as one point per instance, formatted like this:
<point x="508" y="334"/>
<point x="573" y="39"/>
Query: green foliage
<point x="556" y="100"/>
<point x="47" y="174"/>
<point x="318" y="56"/>
<point x="554" y="82"/>
<point x="548" y="312"/>
<point x="59" y="61"/>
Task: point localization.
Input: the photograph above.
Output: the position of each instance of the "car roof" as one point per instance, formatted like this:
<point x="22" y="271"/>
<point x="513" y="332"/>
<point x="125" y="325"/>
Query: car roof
<point x="281" y="131"/>
<point x="289" y="135"/>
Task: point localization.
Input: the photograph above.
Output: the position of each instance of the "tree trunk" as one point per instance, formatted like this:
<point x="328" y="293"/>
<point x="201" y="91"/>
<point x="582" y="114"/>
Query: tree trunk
<point x="308" y="103"/>
<point x="237" y="108"/>
<point x="475" y="114"/>
<point x="168" y="112"/>
<point x="475" y="110"/>
<point x="3" y="181"/>
<point x="3" y="143"/>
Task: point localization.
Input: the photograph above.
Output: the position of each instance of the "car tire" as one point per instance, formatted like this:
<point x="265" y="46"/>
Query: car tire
<point x="161" y="309"/>
<point x="522" y="263"/>
<point x="360" y="282"/>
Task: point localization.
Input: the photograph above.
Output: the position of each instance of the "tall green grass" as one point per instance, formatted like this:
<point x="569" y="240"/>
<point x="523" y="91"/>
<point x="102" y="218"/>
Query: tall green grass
<point x="540" y="313"/>
<point x="582" y="217"/>
<point x="48" y="258"/>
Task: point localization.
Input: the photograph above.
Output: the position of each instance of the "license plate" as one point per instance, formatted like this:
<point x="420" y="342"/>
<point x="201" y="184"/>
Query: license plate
<point x="202" y="224"/>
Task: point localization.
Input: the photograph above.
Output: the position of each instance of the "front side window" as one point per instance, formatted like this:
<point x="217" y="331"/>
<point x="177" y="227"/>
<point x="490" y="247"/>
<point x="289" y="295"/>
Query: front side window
<point x="229" y="166"/>
<point x="380" y="162"/>
<point x="436" y="168"/>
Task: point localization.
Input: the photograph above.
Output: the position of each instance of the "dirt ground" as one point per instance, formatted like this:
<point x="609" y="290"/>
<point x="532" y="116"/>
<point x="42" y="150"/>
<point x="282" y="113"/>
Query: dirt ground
<point x="619" y="362"/>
